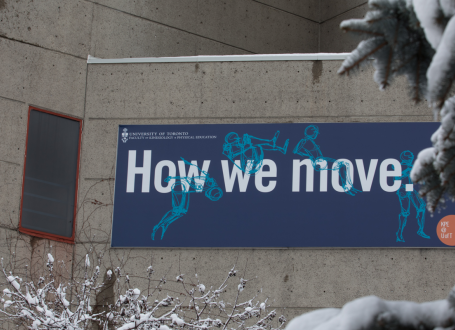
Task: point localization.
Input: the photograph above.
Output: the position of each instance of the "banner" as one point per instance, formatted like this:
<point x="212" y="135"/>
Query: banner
<point x="273" y="185"/>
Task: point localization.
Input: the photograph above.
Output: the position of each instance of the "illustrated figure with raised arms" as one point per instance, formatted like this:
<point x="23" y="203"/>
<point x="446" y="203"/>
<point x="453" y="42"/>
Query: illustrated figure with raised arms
<point x="408" y="195"/>
<point x="308" y="148"/>
<point x="251" y="150"/>
<point x="181" y="190"/>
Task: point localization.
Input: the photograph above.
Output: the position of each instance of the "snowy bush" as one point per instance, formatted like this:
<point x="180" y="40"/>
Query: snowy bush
<point x="415" y="38"/>
<point x="376" y="314"/>
<point x="46" y="305"/>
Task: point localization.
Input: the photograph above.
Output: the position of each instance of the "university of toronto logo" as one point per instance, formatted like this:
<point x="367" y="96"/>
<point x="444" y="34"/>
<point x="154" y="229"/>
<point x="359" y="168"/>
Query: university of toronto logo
<point x="125" y="135"/>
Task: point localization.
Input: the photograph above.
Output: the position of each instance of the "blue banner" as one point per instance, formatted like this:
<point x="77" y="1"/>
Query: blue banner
<point x="272" y="185"/>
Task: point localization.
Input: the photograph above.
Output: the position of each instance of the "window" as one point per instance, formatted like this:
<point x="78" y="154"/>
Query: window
<point x="51" y="166"/>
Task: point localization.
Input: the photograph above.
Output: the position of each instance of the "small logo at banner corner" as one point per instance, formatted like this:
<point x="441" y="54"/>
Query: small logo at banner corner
<point x="125" y="135"/>
<point x="446" y="230"/>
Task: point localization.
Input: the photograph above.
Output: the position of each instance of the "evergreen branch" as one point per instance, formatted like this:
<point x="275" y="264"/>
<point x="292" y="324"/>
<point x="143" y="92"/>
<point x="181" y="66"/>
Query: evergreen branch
<point x="363" y="58"/>
<point x="444" y="96"/>
<point x="423" y="178"/>
<point x="346" y="29"/>
<point x="379" y="19"/>
<point x="430" y="190"/>
<point x="448" y="179"/>
<point x="404" y="63"/>
<point x="416" y="88"/>
<point x="447" y="164"/>
<point x="445" y="139"/>
<point x="439" y="198"/>
<point x="389" y="61"/>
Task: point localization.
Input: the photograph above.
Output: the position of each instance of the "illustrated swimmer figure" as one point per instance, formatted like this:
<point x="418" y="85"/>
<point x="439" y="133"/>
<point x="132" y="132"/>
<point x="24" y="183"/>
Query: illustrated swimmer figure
<point x="407" y="195"/>
<point x="308" y="148"/>
<point x="250" y="149"/>
<point x="181" y="191"/>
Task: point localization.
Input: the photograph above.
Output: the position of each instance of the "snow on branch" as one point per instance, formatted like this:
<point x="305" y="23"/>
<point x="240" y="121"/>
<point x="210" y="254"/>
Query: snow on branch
<point x="396" y="42"/>
<point x="415" y="38"/>
<point x="441" y="72"/>
<point x="45" y="305"/>
<point x="434" y="168"/>
<point x="377" y="314"/>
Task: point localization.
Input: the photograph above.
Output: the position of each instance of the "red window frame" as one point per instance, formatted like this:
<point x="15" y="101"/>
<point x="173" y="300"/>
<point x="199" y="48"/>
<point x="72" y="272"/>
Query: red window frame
<point x="40" y="233"/>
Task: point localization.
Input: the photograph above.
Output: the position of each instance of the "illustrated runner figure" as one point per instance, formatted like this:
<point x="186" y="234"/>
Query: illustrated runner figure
<point x="408" y="195"/>
<point x="308" y="148"/>
<point x="181" y="191"/>
<point x="250" y="149"/>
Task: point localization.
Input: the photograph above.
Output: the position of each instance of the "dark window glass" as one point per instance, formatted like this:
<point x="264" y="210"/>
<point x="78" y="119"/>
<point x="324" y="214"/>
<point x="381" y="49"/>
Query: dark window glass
<point x="50" y="174"/>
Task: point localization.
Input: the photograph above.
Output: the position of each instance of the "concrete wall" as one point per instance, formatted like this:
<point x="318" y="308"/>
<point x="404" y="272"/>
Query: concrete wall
<point x="43" y="50"/>
<point x="141" y="28"/>
<point x="332" y="39"/>
<point x="254" y="92"/>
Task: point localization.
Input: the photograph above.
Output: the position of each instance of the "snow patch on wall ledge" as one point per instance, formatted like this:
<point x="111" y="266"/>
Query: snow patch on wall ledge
<point x="224" y="58"/>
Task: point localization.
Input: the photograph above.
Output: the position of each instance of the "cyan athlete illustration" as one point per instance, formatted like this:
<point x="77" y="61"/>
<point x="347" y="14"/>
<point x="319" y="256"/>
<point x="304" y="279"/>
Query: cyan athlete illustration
<point x="407" y="195"/>
<point x="250" y="149"/>
<point x="308" y="148"/>
<point x="181" y="190"/>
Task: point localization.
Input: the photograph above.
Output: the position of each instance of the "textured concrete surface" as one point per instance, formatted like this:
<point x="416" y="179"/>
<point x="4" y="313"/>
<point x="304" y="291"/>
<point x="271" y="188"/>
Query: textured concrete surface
<point x="173" y="13"/>
<point x="248" y="25"/>
<point x="43" y="78"/>
<point x="330" y="8"/>
<point x="63" y="257"/>
<point x="258" y="28"/>
<point x="116" y="35"/>
<point x="240" y="90"/>
<point x="111" y="28"/>
<point x="27" y="256"/>
<point x="15" y="249"/>
<point x="95" y="206"/>
<point x="10" y="190"/>
<point x="13" y="125"/>
<point x="302" y="278"/>
<point x="185" y="15"/>
<point x="12" y="64"/>
<point x="332" y="39"/>
<point x="307" y="9"/>
<point x="61" y="25"/>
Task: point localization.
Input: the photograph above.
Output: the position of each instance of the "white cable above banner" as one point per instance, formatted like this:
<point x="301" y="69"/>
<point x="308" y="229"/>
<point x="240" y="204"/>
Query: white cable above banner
<point x="223" y="58"/>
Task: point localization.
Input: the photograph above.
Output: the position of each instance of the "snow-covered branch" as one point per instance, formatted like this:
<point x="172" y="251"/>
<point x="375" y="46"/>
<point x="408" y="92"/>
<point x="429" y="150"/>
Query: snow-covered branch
<point x="45" y="305"/>
<point x="415" y="38"/>
<point x="196" y="307"/>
